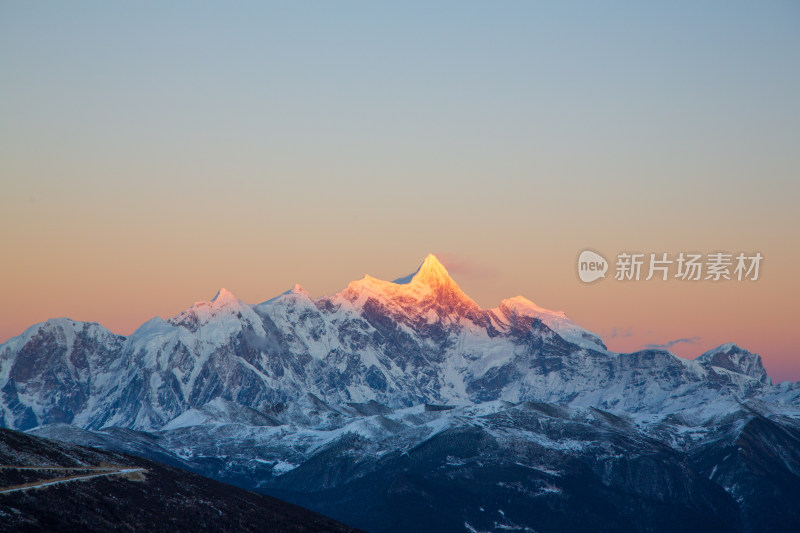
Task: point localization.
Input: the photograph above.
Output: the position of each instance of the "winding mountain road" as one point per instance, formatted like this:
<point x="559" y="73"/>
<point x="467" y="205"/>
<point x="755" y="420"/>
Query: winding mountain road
<point x="96" y="472"/>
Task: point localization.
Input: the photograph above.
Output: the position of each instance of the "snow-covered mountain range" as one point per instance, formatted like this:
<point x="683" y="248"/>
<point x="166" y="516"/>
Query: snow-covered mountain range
<point x="416" y="340"/>
<point x="303" y="396"/>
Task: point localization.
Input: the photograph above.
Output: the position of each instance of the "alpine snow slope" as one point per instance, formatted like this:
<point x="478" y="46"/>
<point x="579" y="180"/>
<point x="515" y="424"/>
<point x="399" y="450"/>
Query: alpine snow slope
<point x="403" y="405"/>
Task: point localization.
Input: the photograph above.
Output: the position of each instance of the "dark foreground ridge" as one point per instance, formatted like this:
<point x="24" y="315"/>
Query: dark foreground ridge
<point x="157" y="498"/>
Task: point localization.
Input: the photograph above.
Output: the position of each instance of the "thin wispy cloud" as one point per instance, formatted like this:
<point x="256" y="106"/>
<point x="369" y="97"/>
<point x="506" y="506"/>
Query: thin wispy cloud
<point x="670" y="344"/>
<point x="459" y="266"/>
<point x="620" y="332"/>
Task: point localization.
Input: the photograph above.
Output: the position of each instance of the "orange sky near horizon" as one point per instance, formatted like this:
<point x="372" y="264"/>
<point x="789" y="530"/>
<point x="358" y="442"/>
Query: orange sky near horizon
<point x="628" y="315"/>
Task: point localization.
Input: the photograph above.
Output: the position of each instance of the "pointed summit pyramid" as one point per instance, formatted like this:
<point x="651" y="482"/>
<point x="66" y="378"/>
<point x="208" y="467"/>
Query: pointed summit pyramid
<point x="430" y="273"/>
<point x="223" y="296"/>
<point x="432" y="280"/>
<point x="431" y="276"/>
<point x="429" y="288"/>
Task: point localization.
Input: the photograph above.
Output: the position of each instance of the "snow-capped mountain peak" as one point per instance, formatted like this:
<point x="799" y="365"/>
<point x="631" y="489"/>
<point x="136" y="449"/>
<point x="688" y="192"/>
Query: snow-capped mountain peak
<point x="555" y="320"/>
<point x="223" y="297"/>
<point x="297" y="289"/>
<point x="429" y="291"/>
<point x="431" y="273"/>
<point x="523" y="306"/>
<point x="223" y="304"/>
<point x="731" y="357"/>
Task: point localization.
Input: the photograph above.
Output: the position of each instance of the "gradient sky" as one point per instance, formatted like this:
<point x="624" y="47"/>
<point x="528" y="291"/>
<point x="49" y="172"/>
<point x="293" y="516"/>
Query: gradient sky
<point x="151" y="153"/>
